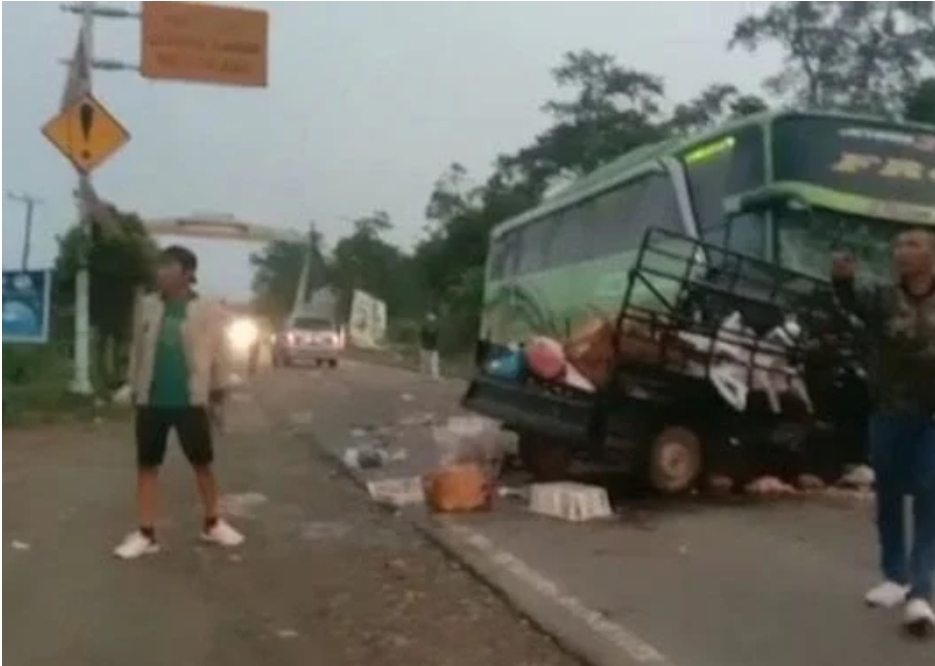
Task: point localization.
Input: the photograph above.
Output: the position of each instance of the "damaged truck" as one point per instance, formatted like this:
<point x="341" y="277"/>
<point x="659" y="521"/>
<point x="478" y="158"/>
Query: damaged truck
<point x="672" y="313"/>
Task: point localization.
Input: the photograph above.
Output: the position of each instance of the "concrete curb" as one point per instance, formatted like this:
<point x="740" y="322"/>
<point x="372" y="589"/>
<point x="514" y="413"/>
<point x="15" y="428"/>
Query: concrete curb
<point x="537" y="600"/>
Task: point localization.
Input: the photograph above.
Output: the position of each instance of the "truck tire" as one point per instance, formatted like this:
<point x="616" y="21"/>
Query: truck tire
<point x="675" y="460"/>
<point x="546" y="459"/>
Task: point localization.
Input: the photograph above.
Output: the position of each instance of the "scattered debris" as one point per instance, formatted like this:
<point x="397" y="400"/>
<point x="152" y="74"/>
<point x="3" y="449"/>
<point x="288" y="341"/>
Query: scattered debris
<point x="234" y="557"/>
<point x="506" y="492"/>
<point x="769" y="486"/>
<point x="241" y="505"/>
<point x="287" y="633"/>
<point x="316" y="531"/>
<point x="719" y="484"/>
<point x="397" y="492"/>
<point x="407" y="397"/>
<point x="371" y="457"/>
<point x="859" y="477"/>
<point x="458" y="488"/>
<point x="810" y="482"/>
<point x="570" y="501"/>
<point x="19" y="545"/>
<point x="302" y="418"/>
<point x="470" y="439"/>
<point x="422" y="419"/>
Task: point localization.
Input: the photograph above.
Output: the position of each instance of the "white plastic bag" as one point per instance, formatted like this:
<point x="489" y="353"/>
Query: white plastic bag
<point x="469" y="439"/>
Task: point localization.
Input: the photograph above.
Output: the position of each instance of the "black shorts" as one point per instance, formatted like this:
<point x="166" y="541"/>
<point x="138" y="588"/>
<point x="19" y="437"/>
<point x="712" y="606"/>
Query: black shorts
<point x="192" y="426"/>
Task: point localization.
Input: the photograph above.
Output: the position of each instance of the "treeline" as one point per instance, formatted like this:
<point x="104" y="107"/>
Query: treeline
<point x="866" y="57"/>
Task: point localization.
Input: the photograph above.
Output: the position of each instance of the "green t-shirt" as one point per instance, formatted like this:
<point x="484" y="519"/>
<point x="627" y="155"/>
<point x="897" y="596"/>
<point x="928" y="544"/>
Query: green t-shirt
<point x="170" y="369"/>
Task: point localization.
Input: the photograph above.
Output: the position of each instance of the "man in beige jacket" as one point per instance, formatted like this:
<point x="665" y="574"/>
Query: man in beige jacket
<point x="178" y="378"/>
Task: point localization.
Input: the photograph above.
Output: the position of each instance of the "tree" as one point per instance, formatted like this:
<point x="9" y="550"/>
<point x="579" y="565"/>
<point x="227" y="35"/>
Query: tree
<point x="920" y="103"/>
<point x="122" y="259"/>
<point x="855" y="56"/>
<point x="277" y="271"/>
<point x="613" y="110"/>
<point x="365" y="261"/>
<point x="716" y="103"/>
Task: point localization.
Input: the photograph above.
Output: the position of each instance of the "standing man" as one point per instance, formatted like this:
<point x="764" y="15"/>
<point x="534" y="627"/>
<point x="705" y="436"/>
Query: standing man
<point x="901" y="323"/>
<point x="178" y="375"/>
<point x="428" y="346"/>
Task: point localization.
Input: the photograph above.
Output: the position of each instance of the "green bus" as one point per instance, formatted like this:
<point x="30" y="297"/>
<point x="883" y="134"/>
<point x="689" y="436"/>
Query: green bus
<point x="861" y="178"/>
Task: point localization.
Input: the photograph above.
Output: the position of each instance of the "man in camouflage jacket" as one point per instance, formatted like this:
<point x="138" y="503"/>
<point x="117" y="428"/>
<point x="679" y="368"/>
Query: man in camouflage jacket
<point x="901" y="322"/>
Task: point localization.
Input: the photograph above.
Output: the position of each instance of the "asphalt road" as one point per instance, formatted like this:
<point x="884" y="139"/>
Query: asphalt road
<point x="690" y="583"/>
<point x="325" y="577"/>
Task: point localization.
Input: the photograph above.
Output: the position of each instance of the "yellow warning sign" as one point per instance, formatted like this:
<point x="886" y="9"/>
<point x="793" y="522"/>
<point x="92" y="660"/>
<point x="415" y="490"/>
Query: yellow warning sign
<point x="86" y="133"/>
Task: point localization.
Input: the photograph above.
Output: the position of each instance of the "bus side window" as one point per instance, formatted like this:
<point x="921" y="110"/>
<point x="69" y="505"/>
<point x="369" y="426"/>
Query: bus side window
<point x="503" y="255"/>
<point x="657" y="207"/>
<point x="570" y="240"/>
<point x="531" y="247"/>
<point x="614" y="215"/>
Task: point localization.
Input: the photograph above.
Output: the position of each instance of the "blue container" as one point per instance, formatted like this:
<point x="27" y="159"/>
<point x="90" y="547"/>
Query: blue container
<point x="507" y="365"/>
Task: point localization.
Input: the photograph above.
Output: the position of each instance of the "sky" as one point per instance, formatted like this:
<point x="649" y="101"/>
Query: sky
<point x="367" y="105"/>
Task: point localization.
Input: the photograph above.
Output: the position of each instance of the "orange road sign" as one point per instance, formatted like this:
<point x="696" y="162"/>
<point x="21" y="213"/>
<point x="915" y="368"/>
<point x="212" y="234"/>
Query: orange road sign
<point x="86" y="134"/>
<point x="204" y="42"/>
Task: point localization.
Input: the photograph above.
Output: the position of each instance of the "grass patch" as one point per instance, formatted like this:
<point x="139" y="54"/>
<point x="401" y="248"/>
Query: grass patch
<point x="36" y="380"/>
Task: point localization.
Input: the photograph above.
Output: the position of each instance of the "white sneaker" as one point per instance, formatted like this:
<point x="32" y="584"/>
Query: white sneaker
<point x="919" y="618"/>
<point x="223" y="535"/>
<point x="887" y="595"/>
<point x="135" y="545"/>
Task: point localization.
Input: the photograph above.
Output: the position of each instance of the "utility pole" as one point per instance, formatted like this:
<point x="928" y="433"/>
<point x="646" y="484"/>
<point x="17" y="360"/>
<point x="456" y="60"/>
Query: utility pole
<point x="30" y="202"/>
<point x="79" y="83"/>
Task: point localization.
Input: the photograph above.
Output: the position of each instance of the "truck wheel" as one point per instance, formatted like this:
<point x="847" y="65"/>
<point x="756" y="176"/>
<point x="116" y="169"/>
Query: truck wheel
<point x="546" y="459"/>
<point x="675" y="460"/>
<point x="332" y="363"/>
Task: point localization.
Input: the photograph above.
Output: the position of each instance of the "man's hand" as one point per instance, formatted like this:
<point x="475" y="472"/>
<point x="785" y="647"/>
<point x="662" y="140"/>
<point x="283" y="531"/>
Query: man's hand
<point x="843" y="265"/>
<point x="216" y="401"/>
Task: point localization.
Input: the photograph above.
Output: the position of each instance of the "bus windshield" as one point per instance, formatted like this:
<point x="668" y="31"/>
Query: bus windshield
<point x="807" y="237"/>
<point x="885" y="169"/>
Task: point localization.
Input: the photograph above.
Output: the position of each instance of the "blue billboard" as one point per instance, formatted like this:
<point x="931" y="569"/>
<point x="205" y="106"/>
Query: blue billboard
<point x="26" y="296"/>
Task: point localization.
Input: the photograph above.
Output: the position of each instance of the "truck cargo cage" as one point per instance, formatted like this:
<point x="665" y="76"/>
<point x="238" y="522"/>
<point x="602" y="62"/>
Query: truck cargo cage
<point x="740" y="322"/>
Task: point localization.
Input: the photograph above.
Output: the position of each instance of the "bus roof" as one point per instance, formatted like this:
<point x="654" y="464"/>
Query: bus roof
<point x="641" y="160"/>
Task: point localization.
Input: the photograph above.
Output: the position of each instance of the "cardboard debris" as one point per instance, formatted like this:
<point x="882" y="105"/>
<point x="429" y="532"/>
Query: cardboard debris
<point x="575" y="502"/>
<point x="397" y="492"/>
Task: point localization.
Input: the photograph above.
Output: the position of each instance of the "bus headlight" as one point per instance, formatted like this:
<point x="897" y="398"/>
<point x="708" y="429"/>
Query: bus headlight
<point x="242" y="333"/>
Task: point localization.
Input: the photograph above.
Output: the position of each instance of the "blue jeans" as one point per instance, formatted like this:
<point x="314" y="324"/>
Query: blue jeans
<point x="902" y="453"/>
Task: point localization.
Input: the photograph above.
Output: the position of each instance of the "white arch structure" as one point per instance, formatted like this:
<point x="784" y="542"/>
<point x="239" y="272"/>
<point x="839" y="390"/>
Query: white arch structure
<point x="221" y="228"/>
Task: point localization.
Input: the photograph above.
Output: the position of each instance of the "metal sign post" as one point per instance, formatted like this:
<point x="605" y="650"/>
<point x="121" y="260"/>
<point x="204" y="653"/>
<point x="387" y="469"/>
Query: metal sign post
<point x="87" y="135"/>
<point x="81" y="383"/>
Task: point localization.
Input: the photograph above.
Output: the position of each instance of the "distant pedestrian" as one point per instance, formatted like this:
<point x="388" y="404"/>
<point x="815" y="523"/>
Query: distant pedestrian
<point x="428" y="347"/>
<point x="179" y="374"/>
<point x="901" y="322"/>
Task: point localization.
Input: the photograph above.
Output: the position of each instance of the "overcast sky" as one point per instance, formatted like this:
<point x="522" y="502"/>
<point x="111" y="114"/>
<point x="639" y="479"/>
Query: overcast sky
<point x="367" y="104"/>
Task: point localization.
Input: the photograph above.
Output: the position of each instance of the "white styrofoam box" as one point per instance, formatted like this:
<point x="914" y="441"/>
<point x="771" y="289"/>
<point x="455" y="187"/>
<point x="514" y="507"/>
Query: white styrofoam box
<point x="569" y="501"/>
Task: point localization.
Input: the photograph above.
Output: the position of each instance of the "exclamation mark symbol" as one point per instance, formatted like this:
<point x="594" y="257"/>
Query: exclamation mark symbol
<point x="86" y="117"/>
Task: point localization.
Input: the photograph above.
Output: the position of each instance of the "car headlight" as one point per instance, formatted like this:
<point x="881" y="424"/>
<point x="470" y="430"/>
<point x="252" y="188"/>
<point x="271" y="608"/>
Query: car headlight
<point x="242" y="333"/>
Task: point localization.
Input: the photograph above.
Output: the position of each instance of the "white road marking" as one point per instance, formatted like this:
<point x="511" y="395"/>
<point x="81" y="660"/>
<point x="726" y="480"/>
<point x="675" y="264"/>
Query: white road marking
<point x="635" y="647"/>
